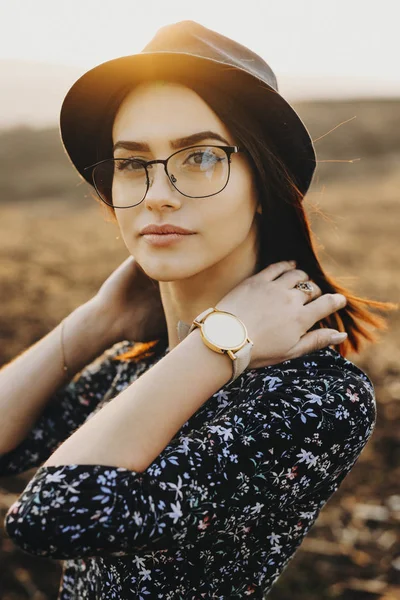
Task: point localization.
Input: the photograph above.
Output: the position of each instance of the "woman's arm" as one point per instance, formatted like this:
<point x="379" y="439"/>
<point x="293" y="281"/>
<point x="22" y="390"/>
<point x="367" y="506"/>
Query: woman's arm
<point x="67" y="409"/>
<point x="137" y="425"/>
<point x="277" y="443"/>
<point x="132" y="430"/>
<point x="28" y="382"/>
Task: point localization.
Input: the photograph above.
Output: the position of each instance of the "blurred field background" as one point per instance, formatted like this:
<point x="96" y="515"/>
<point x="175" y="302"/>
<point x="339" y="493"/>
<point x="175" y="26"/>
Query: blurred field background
<point x="56" y="249"/>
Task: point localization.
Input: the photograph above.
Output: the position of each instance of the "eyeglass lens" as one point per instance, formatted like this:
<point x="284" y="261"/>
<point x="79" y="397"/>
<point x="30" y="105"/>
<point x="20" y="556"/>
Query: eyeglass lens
<point x="196" y="172"/>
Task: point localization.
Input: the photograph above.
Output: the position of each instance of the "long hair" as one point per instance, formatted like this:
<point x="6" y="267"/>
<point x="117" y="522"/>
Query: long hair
<point x="284" y="228"/>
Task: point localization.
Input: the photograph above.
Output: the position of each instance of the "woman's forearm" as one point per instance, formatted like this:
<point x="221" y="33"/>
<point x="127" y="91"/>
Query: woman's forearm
<point x="132" y="429"/>
<point x="28" y="382"/>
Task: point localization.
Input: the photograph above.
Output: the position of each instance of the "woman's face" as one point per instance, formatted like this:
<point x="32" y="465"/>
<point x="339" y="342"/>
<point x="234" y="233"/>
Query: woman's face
<point x="157" y="113"/>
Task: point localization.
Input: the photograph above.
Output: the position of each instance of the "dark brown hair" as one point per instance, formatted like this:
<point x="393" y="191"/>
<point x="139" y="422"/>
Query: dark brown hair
<point x="284" y="228"/>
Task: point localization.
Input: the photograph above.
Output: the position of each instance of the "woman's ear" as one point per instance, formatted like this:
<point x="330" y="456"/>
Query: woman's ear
<point x="259" y="209"/>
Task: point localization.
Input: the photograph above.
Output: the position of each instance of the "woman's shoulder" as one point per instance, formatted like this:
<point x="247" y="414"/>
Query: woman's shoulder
<point x="325" y="364"/>
<point x="319" y="391"/>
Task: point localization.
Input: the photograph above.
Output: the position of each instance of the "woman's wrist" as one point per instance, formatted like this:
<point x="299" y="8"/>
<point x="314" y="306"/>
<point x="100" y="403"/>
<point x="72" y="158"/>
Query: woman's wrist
<point x="86" y="334"/>
<point x="219" y="366"/>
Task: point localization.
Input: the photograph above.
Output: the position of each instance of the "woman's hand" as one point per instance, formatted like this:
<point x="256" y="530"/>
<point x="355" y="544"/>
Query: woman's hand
<point x="277" y="315"/>
<point x="131" y="303"/>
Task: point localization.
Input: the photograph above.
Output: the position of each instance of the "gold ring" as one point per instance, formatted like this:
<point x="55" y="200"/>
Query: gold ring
<point x="305" y="286"/>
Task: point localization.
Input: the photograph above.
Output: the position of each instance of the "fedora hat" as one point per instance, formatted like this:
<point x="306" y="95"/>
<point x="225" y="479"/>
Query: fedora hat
<point x="183" y="51"/>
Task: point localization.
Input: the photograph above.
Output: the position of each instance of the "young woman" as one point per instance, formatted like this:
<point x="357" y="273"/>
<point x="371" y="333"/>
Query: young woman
<point x="210" y="417"/>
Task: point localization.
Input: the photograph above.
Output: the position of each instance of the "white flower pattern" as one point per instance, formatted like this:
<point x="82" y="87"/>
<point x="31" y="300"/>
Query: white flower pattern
<point x="223" y="508"/>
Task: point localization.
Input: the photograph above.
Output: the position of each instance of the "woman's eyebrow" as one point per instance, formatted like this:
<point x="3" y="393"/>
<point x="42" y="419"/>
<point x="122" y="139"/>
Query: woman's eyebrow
<point x="175" y="144"/>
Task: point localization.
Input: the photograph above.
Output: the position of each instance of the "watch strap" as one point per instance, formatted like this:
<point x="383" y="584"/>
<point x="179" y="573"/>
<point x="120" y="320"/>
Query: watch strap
<point x="183" y="330"/>
<point x="241" y="362"/>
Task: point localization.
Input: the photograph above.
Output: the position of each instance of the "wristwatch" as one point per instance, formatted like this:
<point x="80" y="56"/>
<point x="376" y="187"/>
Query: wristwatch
<point x="224" y="333"/>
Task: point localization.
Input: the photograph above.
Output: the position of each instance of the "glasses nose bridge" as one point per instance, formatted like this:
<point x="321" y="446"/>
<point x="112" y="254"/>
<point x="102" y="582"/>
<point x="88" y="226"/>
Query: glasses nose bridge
<point x="158" y="160"/>
<point x="164" y="162"/>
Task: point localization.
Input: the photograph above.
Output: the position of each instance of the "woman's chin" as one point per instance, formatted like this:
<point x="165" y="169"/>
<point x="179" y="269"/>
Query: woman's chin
<point x="168" y="270"/>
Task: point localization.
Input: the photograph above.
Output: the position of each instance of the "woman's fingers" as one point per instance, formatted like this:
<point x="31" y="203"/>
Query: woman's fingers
<point x="314" y="340"/>
<point x="275" y="270"/>
<point x="290" y="278"/>
<point x="320" y="308"/>
<point x="307" y="297"/>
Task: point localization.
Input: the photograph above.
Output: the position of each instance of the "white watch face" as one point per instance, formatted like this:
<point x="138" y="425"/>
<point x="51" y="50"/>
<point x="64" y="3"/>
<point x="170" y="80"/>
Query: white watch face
<point x="224" y="330"/>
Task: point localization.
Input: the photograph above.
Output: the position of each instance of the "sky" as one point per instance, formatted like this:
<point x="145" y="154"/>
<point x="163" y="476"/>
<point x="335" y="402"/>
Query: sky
<point x="311" y="38"/>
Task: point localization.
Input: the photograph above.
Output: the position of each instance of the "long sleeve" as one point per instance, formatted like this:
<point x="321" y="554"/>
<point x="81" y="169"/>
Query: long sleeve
<point x="282" y="439"/>
<point x="65" y="412"/>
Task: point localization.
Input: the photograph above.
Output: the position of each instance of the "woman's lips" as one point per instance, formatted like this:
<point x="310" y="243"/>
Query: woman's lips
<point x="164" y="239"/>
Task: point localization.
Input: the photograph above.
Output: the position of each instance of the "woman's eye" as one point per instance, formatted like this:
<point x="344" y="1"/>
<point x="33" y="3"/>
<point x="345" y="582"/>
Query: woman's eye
<point x="202" y="157"/>
<point x="198" y="157"/>
<point x="129" y="163"/>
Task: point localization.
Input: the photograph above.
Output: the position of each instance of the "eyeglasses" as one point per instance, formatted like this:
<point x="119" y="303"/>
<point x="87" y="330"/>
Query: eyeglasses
<point x="196" y="172"/>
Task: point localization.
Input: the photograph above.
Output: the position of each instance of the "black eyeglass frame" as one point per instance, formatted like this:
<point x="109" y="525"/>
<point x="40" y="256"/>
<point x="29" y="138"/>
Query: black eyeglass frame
<point x="229" y="150"/>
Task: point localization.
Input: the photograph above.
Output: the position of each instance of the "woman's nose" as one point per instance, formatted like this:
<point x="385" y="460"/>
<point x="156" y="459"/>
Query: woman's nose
<point x="159" y="182"/>
<point x="161" y="189"/>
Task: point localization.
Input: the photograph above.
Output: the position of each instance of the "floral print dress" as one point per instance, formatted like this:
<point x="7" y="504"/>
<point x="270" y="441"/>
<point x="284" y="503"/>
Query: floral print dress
<point x="222" y="509"/>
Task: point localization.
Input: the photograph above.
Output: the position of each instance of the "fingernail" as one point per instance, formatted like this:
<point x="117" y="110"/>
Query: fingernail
<point x="293" y="263"/>
<point x="339" y="337"/>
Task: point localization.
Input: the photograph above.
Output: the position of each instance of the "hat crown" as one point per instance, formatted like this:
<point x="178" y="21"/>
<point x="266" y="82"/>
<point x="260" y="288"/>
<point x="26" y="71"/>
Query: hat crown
<point x="192" y="37"/>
